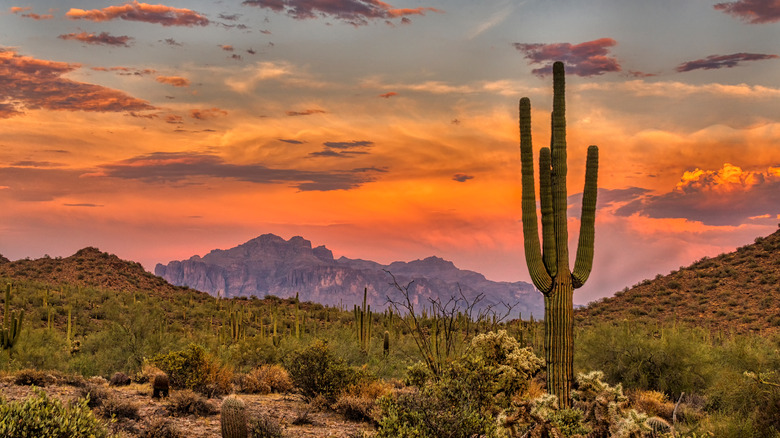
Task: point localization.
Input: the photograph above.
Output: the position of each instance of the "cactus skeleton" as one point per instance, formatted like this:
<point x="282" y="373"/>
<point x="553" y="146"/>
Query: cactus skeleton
<point x="548" y="264"/>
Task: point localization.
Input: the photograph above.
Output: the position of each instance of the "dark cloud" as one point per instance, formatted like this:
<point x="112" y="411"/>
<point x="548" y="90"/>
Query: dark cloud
<point x="176" y="81"/>
<point x="752" y="11"/>
<point x="307" y="112"/>
<point x="721" y="61"/>
<point x="291" y="141"/>
<point x="250" y="51"/>
<point x="461" y="177"/>
<point x="172" y="42"/>
<point x="29" y="83"/>
<point x="354" y="12"/>
<point x="348" y="144"/>
<point x="590" y="58"/>
<point x="31" y="163"/>
<point x="728" y="196"/>
<point x="343" y="149"/>
<point x="104" y="38"/>
<point x="164" y="167"/>
<point x="235" y="56"/>
<point x="388" y="95"/>
<point x="83" y="205"/>
<point x="8" y="110"/>
<point x="208" y="113"/>
<point x="231" y="17"/>
<point x="134" y="11"/>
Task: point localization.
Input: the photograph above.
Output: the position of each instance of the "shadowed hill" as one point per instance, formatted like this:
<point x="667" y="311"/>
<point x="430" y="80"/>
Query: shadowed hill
<point x="738" y="291"/>
<point x="87" y="267"/>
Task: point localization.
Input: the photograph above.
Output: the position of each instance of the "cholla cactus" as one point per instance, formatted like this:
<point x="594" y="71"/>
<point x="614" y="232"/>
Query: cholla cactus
<point x="233" y="418"/>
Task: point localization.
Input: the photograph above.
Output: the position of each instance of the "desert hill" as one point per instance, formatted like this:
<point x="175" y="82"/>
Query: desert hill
<point x="737" y="291"/>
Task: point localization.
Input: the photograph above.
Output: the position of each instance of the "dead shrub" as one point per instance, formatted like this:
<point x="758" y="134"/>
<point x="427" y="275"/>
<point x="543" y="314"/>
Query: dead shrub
<point x="358" y="402"/>
<point x="187" y="402"/>
<point x="117" y="407"/>
<point x="266" y="379"/>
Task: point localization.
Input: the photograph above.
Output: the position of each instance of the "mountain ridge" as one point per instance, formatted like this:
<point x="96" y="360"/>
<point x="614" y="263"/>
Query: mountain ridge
<point x="270" y="265"/>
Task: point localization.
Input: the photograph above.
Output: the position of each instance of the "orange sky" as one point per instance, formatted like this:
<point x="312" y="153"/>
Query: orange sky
<point x="387" y="132"/>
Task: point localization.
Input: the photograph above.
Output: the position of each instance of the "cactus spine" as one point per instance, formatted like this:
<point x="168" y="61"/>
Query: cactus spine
<point x="12" y="323"/>
<point x="233" y="418"/>
<point x="549" y="264"/>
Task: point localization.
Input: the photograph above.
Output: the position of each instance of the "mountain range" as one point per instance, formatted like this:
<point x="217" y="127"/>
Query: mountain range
<point x="270" y="265"/>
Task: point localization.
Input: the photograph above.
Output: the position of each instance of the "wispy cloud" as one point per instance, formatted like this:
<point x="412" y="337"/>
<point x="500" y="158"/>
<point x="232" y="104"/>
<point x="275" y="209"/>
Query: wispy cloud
<point x="163" y="167"/>
<point x="176" y="81"/>
<point x="752" y="11"/>
<point x="462" y="177"/>
<point x="127" y="71"/>
<point x="354" y="12"/>
<point x="497" y="18"/>
<point x="135" y="11"/>
<point x="590" y="58"/>
<point x="721" y="61"/>
<point x="27" y="82"/>
<point x="34" y="16"/>
<point x="226" y="47"/>
<point x="104" y="38"/>
<point x="307" y="112"/>
<point x="388" y="95"/>
<point x="209" y="113"/>
<point x="343" y="149"/>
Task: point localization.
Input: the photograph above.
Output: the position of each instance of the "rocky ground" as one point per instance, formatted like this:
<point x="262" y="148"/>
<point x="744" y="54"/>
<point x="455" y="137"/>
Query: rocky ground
<point x="283" y="408"/>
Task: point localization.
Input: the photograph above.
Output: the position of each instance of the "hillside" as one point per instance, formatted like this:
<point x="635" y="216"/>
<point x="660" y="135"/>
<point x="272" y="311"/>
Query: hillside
<point x="738" y="291"/>
<point x="87" y="267"/>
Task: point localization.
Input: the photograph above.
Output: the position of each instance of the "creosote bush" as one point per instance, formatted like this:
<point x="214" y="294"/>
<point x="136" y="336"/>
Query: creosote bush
<point x="192" y="368"/>
<point x="316" y="371"/>
<point x="41" y="416"/>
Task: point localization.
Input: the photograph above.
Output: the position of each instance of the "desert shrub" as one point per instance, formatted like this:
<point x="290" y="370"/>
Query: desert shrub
<point x="653" y="403"/>
<point x="41" y="349"/>
<point x="41" y="416"/>
<point x="265" y="427"/>
<point x="95" y="394"/>
<point x="116" y="407"/>
<point x="266" y="379"/>
<point x="316" y="371"/>
<point x="192" y="368"/>
<point x="187" y="402"/>
<point x="359" y="402"/>
<point x="161" y="428"/>
<point x="119" y="379"/>
<point x="30" y="377"/>
<point x="468" y="395"/>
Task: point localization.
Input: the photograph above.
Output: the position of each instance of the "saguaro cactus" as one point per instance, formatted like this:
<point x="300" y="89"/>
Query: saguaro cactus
<point x="549" y="264"/>
<point x="12" y="324"/>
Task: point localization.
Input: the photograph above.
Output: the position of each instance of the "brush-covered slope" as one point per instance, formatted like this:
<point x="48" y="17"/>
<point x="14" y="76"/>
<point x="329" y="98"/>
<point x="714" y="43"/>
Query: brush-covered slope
<point x="87" y="267"/>
<point x="738" y="291"/>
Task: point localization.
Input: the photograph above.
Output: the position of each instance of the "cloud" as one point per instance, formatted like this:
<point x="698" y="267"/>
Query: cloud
<point x="752" y="11"/>
<point x="103" y="38"/>
<point x="84" y="205"/>
<point x="461" y="177"/>
<point x="127" y="71"/>
<point x="231" y="17"/>
<point x="172" y="42"/>
<point x="291" y="141"/>
<point x="727" y="196"/>
<point x="354" y="12"/>
<point x="31" y="83"/>
<point x="31" y="163"/>
<point x="307" y="112"/>
<point x="205" y="114"/>
<point x="721" y="61"/>
<point x="343" y="149"/>
<point x="388" y="95"/>
<point x="17" y="9"/>
<point x="590" y="58"/>
<point x="226" y="47"/>
<point x="165" y="167"/>
<point x="8" y="110"/>
<point x="134" y="11"/>
<point x="176" y="81"/>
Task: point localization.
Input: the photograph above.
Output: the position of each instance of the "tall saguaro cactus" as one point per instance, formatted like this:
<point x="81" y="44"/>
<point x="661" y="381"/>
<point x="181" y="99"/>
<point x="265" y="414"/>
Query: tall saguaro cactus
<point x="549" y="264"/>
<point x="12" y="324"/>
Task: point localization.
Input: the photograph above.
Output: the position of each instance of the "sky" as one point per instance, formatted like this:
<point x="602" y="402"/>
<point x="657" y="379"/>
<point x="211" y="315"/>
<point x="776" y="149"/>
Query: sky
<point x="385" y="130"/>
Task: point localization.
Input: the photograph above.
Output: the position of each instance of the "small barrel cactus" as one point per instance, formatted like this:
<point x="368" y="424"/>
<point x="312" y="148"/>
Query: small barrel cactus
<point x="160" y="386"/>
<point x="233" y="418"/>
<point x="659" y="426"/>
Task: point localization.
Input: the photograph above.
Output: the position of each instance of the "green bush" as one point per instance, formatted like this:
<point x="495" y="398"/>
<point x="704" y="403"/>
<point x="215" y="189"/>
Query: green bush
<point x="40" y="416"/>
<point x="315" y="371"/>
<point x="192" y="368"/>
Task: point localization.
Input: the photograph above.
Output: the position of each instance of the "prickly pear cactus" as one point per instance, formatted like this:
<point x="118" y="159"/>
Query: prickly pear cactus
<point x="233" y="418"/>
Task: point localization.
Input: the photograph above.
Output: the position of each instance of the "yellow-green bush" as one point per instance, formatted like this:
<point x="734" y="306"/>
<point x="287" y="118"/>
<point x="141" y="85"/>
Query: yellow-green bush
<point x="192" y="368"/>
<point x="41" y="416"/>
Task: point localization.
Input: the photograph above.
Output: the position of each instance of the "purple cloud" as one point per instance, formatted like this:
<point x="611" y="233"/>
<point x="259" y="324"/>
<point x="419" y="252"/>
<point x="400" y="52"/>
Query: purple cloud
<point x="721" y="61"/>
<point x="354" y="12"/>
<point x="752" y="11"/>
<point x="590" y="58"/>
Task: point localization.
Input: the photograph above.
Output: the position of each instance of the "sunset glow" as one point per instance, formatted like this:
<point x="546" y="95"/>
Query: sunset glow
<point x="384" y="130"/>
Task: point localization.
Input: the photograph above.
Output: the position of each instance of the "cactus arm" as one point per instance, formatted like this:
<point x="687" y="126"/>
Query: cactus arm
<point x="584" y="261"/>
<point x="559" y="168"/>
<point x="545" y="199"/>
<point x="533" y="252"/>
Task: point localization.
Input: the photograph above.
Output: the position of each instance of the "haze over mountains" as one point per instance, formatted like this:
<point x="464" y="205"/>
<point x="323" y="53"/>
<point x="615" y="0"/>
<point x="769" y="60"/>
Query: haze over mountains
<point x="270" y="265"/>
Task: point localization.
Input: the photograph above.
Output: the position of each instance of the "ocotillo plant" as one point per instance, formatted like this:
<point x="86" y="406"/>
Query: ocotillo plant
<point x="549" y="264"/>
<point x="12" y="324"/>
